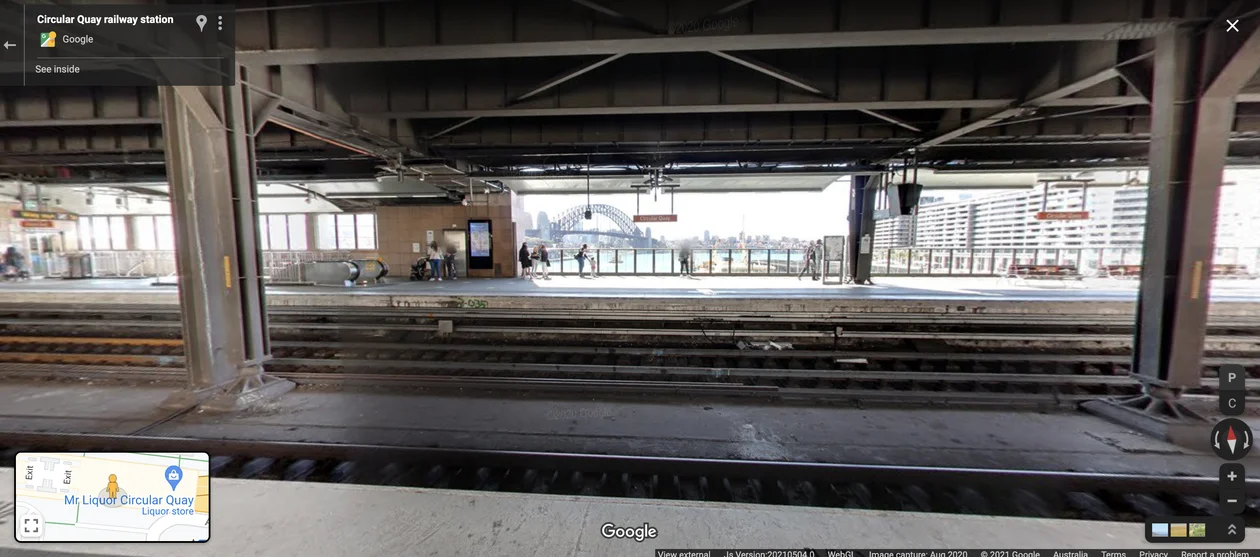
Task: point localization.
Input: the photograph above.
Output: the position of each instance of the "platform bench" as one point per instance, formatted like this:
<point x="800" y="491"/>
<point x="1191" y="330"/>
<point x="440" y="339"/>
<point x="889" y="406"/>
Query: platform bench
<point x="1220" y="270"/>
<point x="1045" y="272"/>
<point x="1122" y="271"/>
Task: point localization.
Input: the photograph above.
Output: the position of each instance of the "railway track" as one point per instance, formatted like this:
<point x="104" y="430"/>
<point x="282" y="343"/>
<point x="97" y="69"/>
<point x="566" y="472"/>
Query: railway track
<point x="1110" y="497"/>
<point x="876" y="358"/>
<point x="816" y="375"/>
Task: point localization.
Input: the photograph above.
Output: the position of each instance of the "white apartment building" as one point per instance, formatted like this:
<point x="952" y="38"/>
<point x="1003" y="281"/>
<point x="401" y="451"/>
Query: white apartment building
<point x="1008" y="219"/>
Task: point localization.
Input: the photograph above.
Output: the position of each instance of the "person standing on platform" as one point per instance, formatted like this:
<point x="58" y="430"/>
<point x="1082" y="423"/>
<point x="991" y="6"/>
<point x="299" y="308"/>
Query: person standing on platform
<point x="435" y="262"/>
<point x="544" y="261"/>
<point x="684" y="259"/>
<point x="581" y="259"/>
<point x="448" y="261"/>
<point x="527" y="272"/>
<point x="811" y="260"/>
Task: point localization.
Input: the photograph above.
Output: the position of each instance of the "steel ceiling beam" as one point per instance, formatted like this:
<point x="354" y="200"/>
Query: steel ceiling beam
<point x="732" y="43"/>
<point x="66" y="122"/>
<point x="820" y="106"/>
<point x="1056" y="97"/>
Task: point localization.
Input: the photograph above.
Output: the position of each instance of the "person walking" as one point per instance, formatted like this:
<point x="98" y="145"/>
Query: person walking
<point x="544" y="261"/>
<point x="811" y="255"/>
<point x="527" y="272"/>
<point x="435" y="262"/>
<point x="581" y="259"/>
<point x="818" y="256"/>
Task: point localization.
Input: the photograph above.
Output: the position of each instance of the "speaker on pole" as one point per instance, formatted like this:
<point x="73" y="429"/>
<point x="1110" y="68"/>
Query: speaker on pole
<point x="902" y="198"/>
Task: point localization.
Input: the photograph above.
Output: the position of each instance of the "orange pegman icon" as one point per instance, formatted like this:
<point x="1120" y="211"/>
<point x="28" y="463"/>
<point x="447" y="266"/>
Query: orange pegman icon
<point x="112" y="488"/>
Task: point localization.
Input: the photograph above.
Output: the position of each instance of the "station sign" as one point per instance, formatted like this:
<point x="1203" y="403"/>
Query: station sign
<point x="44" y="215"/>
<point x="38" y="224"/>
<point x="1063" y="215"/>
<point x="656" y="218"/>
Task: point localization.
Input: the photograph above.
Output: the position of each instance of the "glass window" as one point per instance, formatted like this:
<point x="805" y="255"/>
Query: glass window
<point x="103" y="233"/>
<point x="118" y="233"/>
<point x="264" y="237"/>
<point x="326" y="232"/>
<point x="277" y="233"/>
<point x="146" y="233"/>
<point x="297" y="232"/>
<point x="345" y="231"/>
<point x="165" y="226"/>
<point x="365" y="225"/>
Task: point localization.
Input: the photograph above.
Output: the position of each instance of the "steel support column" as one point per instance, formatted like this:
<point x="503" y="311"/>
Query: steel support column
<point x="211" y="169"/>
<point x="1193" y="113"/>
<point x="861" y="228"/>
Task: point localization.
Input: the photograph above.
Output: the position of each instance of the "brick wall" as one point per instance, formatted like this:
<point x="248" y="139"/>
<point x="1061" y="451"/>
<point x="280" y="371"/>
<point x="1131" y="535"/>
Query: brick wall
<point x="397" y="228"/>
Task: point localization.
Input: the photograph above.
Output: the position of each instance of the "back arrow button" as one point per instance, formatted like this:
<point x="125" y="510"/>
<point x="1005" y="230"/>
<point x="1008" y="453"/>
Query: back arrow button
<point x="8" y="45"/>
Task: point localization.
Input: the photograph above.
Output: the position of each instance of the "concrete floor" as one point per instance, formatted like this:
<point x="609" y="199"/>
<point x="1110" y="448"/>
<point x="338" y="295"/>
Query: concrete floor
<point x="253" y="517"/>
<point x="1073" y="442"/>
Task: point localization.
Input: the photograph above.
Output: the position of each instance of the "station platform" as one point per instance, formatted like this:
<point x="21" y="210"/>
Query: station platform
<point x="666" y="428"/>
<point x="256" y="517"/>
<point x="889" y="294"/>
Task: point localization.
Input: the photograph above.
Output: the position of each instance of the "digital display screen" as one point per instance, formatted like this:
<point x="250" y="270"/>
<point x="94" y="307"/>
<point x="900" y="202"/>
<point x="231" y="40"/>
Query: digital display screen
<point x="479" y="238"/>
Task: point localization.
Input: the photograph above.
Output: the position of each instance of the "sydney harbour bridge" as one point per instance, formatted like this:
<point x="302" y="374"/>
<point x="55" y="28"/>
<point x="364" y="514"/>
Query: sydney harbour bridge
<point x="569" y="223"/>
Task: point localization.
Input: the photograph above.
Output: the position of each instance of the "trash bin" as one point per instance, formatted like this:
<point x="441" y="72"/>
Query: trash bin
<point x="79" y="266"/>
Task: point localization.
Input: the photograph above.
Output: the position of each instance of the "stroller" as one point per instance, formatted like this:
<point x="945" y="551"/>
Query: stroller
<point x="12" y="273"/>
<point x="420" y="270"/>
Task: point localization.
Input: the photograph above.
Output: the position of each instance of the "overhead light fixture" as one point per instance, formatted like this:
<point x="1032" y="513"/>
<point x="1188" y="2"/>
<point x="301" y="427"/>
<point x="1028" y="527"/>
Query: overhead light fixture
<point x="382" y="195"/>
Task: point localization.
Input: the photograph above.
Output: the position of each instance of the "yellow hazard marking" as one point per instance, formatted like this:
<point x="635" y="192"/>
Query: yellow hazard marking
<point x="92" y="341"/>
<point x="1196" y="280"/>
<point x="227" y="272"/>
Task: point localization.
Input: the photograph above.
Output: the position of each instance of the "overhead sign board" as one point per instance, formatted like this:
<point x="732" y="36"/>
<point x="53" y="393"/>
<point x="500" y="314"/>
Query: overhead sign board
<point x="38" y="224"/>
<point x="44" y="215"/>
<point x="1063" y="215"/>
<point x="656" y="218"/>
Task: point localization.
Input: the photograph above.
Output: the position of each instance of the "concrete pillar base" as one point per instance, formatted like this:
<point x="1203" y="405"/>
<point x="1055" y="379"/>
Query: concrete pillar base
<point x="246" y="391"/>
<point x="1158" y="416"/>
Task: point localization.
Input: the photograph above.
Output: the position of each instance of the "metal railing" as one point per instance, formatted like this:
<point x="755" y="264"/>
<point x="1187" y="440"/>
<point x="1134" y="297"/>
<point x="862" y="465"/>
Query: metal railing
<point x="987" y="262"/>
<point x="278" y="266"/>
<point x="992" y="262"/>
<point x="286" y="266"/>
<point x="662" y="261"/>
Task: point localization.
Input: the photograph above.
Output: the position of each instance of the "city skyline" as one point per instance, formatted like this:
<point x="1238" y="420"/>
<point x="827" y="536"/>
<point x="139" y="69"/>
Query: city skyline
<point x="780" y="214"/>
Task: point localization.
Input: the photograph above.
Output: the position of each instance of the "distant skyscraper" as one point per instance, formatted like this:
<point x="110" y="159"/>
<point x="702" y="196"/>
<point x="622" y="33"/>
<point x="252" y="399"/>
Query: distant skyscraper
<point x="706" y="236"/>
<point x="529" y="220"/>
<point x="544" y="226"/>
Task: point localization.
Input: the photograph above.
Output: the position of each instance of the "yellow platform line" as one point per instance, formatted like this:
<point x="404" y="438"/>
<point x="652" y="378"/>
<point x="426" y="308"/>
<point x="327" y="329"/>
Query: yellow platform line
<point x="92" y="341"/>
<point x="52" y="358"/>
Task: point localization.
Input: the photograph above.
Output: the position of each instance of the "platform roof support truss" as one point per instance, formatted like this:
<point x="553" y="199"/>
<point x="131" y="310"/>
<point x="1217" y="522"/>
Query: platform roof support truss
<point x="1196" y="77"/>
<point x="211" y="170"/>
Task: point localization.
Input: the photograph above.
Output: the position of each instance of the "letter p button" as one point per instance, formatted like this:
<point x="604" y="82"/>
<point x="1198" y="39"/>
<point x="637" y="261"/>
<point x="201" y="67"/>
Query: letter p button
<point x="1233" y="378"/>
<point x="1233" y="389"/>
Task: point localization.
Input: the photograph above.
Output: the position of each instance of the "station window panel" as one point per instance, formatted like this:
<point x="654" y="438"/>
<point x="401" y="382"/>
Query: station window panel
<point x="154" y="232"/>
<point x="345" y="232"/>
<point x="365" y="225"/>
<point x="146" y="233"/>
<point x="103" y="233"/>
<point x="165" y="228"/>
<point x="264" y="233"/>
<point x="326" y="232"/>
<point x="277" y="233"/>
<point x="297" y="232"/>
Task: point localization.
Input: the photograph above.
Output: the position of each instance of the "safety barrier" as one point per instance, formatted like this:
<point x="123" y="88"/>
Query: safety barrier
<point x="987" y="262"/>
<point x="278" y="266"/>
